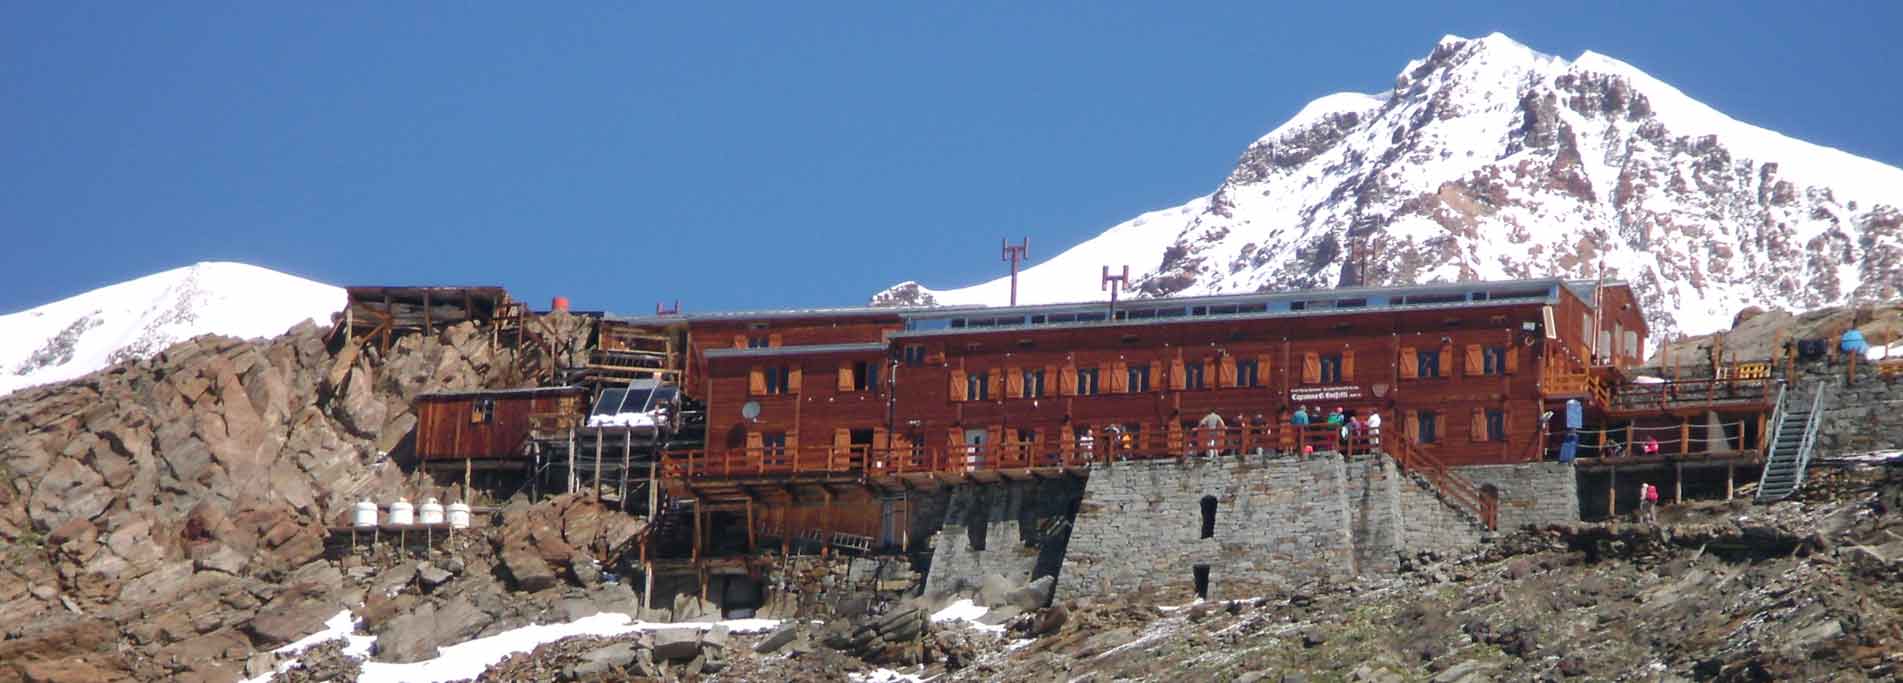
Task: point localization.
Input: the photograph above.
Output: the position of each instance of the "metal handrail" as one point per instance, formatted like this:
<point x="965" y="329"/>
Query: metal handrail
<point x="1777" y="431"/>
<point x="1813" y="421"/>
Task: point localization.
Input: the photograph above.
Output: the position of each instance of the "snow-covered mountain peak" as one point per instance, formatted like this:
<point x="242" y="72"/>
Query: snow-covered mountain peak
<point x="1489" y="159"/>
<point x="75" y="336"/>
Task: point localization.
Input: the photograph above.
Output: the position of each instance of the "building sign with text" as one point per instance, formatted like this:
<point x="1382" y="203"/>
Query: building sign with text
<point x="1332" y="392"/>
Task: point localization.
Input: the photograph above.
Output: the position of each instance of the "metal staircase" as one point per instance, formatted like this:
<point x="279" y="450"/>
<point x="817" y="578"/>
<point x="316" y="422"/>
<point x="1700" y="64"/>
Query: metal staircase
<point x="1792" y="439"/>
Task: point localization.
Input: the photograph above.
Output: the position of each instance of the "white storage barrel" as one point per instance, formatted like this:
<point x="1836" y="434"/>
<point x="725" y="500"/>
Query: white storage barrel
<point x="402" y="513"/>
<point x="431" y="512"/>
<point x="458" y="515"/>
<point x="363" y="515"/>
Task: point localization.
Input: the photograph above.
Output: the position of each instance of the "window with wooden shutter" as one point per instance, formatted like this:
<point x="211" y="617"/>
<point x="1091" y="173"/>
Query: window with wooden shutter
<point x="773" y="340"/>
<point x="1413" y="426"/>
<point x="994" y="383"/>
<point x="1119" y="377"/>
<point x="793" y="380"/>
<point x="754" y="443"/>
<point x="1156" y="368"/>
<point x="1476" y="360"/>
<point x="1311" y="368"/>
<point x="1226" y="372"/>
<point x="958" y="385"/>
<point x="1348" y="366"/>
<point x="845" y="376"/>
<point x="1067" y="381"/>
<point x="1478" y="426"/>
<point x="756" y="381"/>
<point x="1446" y="361"/>
<point x="1177" y="374"/>
<point x="1013" y="383"/>
<point x="878" y="439"/>
<point x="1513" y="359"/>
<point x="1050" y="375"/>
<point x="740" y="341"/>
<point x="1410" y="363"/>
<point x="793" y="443"/>
<point x="1262" y="370"/>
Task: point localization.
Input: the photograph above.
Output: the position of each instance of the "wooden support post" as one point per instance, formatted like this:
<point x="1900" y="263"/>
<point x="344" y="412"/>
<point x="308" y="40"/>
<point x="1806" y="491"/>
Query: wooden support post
<point x="596" y="492"/>
<point x="654" y="493"/>
<point x="350" y="320"/>
<point x="1678" y="483"/>
<point x="571" y="460"/>
<point x="647" y="568"/>
<point x="697" y="532"/>
<point x="429" y="324"/>
<point x="1731" y="480"/>
<point x="750" y="537"/>
<point x="1684" y="435"/>
<point x="627" y="452"/>
<point x="1612" y="492"/>
<point x="826" y="526"/>
<point x="469" y="471"/>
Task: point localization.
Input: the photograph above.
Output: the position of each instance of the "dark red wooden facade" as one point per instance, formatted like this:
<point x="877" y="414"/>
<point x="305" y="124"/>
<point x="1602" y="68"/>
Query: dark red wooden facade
<point x="489" y="424"/>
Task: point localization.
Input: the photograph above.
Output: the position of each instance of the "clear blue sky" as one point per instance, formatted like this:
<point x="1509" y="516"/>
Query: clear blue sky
<point x="739" y="155"/>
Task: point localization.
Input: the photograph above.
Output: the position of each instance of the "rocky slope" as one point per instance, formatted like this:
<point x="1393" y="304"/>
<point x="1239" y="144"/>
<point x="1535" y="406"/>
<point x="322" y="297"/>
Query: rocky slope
<point x="137" y="318"/>
<point x="1488" y="160"/>
<point x="166" y="519"/>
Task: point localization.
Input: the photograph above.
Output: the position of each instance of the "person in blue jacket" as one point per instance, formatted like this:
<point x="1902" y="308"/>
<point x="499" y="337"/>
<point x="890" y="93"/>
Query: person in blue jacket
<point x="1853" y="343"/>
<point x="1300" y="419"/>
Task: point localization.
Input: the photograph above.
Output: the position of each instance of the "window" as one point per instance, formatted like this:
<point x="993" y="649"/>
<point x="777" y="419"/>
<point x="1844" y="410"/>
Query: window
<point x="1493" y="360"/>
<point x="774" y="444"/>
<point x="1087" y="382"/>
<point x="1430" y="426"/>
<point x="1033" y="384"/>
<point x="865" y="376"/>
<point x="778" y="379"/>
<point x="1209" y="517"/>
<point x="1632" y="344"/>
<point x="759" y="341"/>
<point x="1427" y="364"/>
<point x="1331" y="368"/>
<point x="1139" y="378"/>
<point x="1496" y="425"/>
<point x="977" y="387"/>
<point x="1248" y="374"/>
<point x="1193" y="376"/>
<point x="915" y="355"/>
<point x="483" y="411"/>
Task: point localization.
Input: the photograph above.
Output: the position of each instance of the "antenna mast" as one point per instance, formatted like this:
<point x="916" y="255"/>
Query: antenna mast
<point x="1114" y="283"/>
<point x="1016" y="253"/>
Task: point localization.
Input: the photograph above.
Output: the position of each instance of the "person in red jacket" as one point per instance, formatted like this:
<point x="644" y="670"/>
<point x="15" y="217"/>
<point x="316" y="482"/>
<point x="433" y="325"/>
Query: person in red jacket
<point x="1648" y="503"/>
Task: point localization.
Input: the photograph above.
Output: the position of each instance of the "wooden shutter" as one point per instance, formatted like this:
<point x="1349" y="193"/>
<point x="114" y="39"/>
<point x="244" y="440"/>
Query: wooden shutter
<point x="957" y="439"/>
<point x="1479" y="425"/>
<point x="996" y="382"/>
<point x="1156" y="372"/>
<point x="1119" y="377"/>
<point x="1175" y="437"/>
<point x="1513" y="358"/>
<point x="1226" y="372"/>
<point x="773" y="340"/>
<point x="878" y="438"/>
<point x="1476" y="359"/>
<point x="1177" y="380"/>
<point x="1410" y="363"/>
<point x="1446" y="361"/>
<point x="755" y="443"/>
<point x="793" y="442"/>
<point x="1067" y="381"/>
<point x="740" y="341"/>
<point x="1050" y="376"/>
<point x="1311" y="368"/>
<point x="1014" y="382"/>
<point x="793" y="380"/>
<point x="845" y="376"/>
<point x="1413" y="427"/>
<point x="1262" y="370"/>
<point x="756" y="381"/>
<point x="958" y="386"/>
<point x="1348" y="366"/>
<point x="842" y="438"/>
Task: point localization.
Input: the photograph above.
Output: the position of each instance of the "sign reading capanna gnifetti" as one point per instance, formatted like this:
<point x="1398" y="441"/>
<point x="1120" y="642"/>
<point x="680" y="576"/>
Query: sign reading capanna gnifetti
<point x="1333" y="392"/>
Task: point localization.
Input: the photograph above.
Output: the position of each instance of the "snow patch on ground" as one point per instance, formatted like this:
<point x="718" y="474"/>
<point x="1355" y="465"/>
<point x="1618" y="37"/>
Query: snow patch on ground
<point x="469" y="659"/>
<point x="968" y="612"/>
<point x="887" y="676"/>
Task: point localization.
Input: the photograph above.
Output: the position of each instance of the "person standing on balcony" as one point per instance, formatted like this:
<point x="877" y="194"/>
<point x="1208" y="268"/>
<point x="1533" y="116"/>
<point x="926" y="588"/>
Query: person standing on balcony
<point x="1374" y="428"/>
<point x="1300" y="419"/>
<point x="1651" y="446"/>
<point x="1212" y="428"/>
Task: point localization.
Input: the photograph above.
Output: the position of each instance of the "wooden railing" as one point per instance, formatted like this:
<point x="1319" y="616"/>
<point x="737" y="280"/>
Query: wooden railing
<point x="1750" y="388"/>
<point x="1483" y="505"/>
<point x="876" y="462"/>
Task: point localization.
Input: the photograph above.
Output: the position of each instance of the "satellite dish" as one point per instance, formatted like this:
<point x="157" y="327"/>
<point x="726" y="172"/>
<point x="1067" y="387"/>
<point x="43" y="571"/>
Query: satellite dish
<point x="750" y="410"/>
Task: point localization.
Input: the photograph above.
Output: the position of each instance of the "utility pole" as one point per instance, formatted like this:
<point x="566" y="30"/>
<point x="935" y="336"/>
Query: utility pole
<point x="1114" y="283"/>
<point x="675" y="310"/>
<point x="1016" y="253"/>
